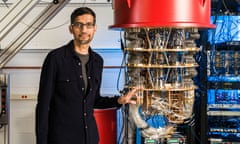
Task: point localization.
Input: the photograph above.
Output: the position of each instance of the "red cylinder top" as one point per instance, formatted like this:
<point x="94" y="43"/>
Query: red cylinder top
<point x="161" y="13"/>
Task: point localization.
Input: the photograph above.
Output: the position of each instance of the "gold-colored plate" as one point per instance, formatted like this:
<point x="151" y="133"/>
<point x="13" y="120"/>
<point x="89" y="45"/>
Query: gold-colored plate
<point x="187" y="49"/>
<point x="162" y="66"/>
<point x="170" y="88"/>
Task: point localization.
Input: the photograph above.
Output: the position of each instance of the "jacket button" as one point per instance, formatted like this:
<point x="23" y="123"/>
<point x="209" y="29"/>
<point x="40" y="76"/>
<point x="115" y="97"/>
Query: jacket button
<point x="82" y="89"/>
<point x="89" y="77"/>
<point x="86" y="127"/>
<point x="90" y="89"/>
<point x="85" y="114"/>
<point x="81" y="76"/>
<point x="79" y="63"/>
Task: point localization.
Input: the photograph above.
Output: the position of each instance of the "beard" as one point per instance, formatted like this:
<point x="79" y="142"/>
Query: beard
<point x="84" y="41"/>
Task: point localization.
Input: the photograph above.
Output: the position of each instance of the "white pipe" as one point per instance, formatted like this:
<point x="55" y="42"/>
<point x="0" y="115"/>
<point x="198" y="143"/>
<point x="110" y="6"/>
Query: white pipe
<point x="147" y="130"/>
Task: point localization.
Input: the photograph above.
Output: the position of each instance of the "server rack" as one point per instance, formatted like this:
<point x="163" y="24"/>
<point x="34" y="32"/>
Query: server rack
<point x="223" y="101"/>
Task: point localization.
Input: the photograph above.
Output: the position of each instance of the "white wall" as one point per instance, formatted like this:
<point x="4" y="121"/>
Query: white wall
<point x="24" y="81"/>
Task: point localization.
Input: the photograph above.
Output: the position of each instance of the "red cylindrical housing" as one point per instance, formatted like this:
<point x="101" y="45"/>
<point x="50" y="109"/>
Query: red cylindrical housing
<point x="161" y="13"/>
<point x="106" y="123"/>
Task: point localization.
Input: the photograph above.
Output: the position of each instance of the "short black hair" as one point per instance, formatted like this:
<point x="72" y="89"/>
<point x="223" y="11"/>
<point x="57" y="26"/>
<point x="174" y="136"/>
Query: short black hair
<point x="81" y="11"/>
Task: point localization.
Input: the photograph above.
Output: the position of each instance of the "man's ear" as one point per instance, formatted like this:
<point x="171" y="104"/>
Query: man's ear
<point x="70" y="29"/>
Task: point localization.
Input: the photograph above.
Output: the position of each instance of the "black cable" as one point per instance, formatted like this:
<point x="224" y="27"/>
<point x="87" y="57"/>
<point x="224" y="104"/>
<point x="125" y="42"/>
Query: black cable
<point x="119" y="140"/>
<point x="123" y="109"/>
<point x="195" y="135"/>
<point x="122" y="65"/>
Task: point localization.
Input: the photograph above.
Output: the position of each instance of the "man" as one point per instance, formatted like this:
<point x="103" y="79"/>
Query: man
<point x="69" y="88"/>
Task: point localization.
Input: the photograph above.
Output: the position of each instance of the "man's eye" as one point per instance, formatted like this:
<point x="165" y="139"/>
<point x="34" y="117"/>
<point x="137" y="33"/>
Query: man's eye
<point x="81" y="25"/>
<point x="89" y="24"/>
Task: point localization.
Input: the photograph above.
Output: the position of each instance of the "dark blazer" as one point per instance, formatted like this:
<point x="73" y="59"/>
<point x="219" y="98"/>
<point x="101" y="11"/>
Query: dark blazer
<point x="64" y="113"/>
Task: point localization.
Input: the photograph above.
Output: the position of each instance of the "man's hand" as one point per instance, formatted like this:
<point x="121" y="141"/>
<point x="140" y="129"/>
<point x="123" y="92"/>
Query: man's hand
<point x="128" y="98"/>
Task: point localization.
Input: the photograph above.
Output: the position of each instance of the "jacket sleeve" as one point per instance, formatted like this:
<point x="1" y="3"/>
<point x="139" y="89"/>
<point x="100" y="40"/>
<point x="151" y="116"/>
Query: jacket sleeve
<point x="102" y="102"/>
<point x="45" y="93"/>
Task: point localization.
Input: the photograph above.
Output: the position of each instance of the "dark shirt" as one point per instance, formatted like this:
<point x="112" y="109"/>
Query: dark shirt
<point x="64" y="112"/>
<point x="84" y="59"/>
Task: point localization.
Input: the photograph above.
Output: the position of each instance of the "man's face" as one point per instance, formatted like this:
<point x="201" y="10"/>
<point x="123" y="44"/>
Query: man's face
<point x="83" y="29"/>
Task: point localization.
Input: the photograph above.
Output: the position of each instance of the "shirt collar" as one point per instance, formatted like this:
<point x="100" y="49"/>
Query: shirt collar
<point x="71" y="53"/>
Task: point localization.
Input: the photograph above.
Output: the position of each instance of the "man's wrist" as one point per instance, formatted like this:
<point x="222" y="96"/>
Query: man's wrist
<point x="119" y="100"/>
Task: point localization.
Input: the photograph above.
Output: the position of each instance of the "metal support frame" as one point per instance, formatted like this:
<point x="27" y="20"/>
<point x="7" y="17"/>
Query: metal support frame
<point x="41" y="20"/>
<point x="16" y="12"/>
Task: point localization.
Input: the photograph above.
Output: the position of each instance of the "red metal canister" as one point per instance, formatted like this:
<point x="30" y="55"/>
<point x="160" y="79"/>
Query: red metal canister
<point x="106" y="123"/>
<point x="161" y="13"/>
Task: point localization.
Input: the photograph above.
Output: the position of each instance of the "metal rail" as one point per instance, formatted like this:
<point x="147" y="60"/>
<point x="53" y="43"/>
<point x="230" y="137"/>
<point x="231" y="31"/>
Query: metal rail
<point x="16" y="12"/>
<point x="41" y="20"/>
